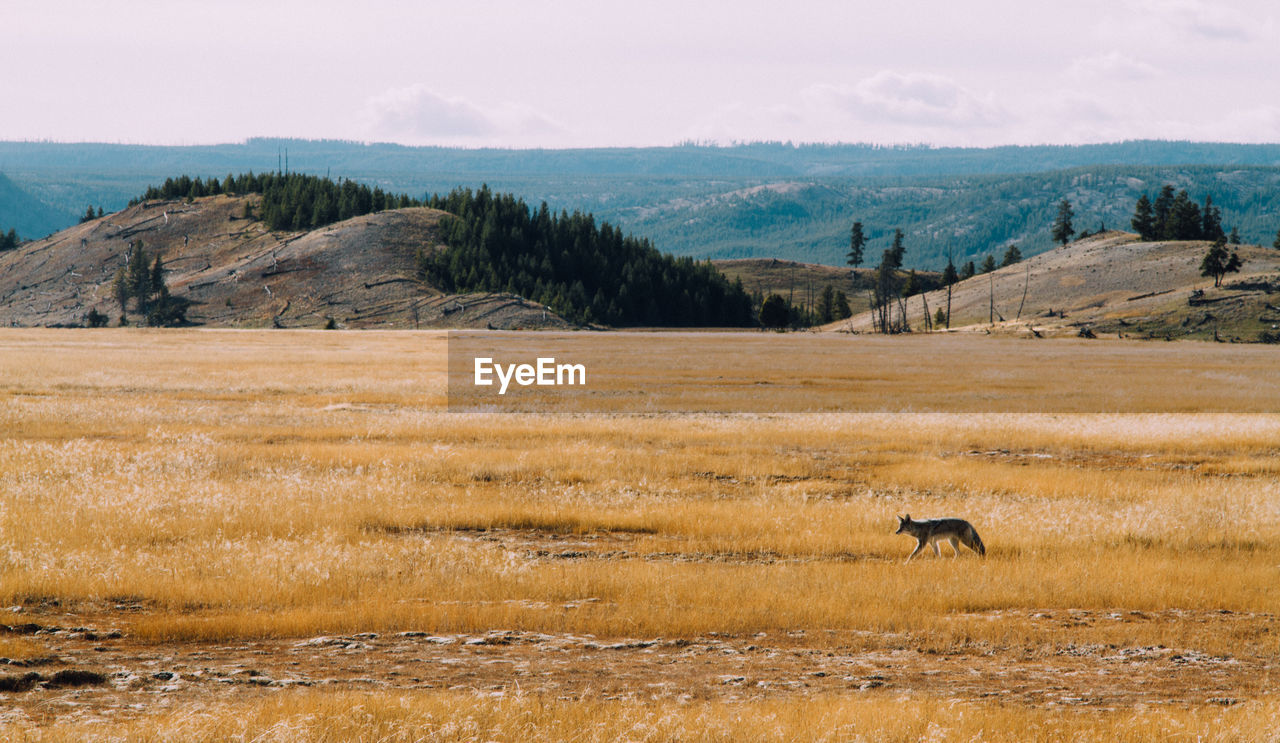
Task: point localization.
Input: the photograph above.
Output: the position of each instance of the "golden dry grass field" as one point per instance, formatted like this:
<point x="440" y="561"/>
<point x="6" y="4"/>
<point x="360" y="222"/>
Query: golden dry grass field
<point x="285" y="535"/>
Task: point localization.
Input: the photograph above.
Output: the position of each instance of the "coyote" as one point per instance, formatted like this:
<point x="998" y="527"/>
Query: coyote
<point x="932" y="531"/>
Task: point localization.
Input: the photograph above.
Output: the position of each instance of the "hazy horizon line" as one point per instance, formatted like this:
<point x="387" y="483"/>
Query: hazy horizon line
<point x="688" y="143"/>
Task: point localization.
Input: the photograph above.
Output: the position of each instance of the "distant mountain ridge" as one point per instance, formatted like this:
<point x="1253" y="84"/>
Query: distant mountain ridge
<point x="24" y="212"/>
<point x="741" y="201"/>
<point x="760" y="159"/>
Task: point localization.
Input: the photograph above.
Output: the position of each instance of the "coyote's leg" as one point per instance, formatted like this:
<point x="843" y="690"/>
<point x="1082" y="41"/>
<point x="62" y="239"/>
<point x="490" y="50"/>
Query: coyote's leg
<point x="934" y="544"/>
<point x="916" y="551"/>
<point x="955" y="546"/>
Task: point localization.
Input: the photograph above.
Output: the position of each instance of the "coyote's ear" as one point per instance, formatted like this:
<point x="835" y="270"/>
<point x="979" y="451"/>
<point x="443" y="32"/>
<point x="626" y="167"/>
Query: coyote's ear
<point x="907" y="517"/>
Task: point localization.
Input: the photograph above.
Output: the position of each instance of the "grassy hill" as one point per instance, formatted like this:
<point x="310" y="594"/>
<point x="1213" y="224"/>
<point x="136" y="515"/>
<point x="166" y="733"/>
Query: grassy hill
<point x="802" y="283"/>
<point x="332" y="253"/>
<point x="360" y="272"/>
<point x="1118" y="285"/>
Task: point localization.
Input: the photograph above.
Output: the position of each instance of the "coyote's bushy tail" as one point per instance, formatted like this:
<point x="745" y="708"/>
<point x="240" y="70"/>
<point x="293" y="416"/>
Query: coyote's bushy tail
<point x="973" y="541"/>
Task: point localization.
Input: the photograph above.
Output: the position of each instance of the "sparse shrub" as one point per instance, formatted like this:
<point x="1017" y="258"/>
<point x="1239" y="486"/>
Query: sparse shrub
<point x="774" y="312"/>
<point x="72" y="677"/>
<point x="23" y="682"/>
<point x="96" y="319"/>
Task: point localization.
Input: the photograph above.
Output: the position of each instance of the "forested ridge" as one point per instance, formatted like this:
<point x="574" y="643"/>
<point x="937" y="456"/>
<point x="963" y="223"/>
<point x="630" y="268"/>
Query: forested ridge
<point x="585" y="271"/>
<point x="290" y="201"/>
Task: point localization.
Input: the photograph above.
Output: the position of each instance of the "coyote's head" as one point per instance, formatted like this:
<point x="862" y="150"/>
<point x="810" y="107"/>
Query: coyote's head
<point x="903" y="523"/>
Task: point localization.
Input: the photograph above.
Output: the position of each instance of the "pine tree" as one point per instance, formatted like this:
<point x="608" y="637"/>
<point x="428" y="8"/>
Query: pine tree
<point x="774" y="312"/>
<point x="842" y="305"/>
<point x="857" y="241"/>
<point x="155" y="283"/>
<point x="912" y="286"/>
<point x="120" y="291"/>
<point x="1184" y="222"/>
<point x="1218" y="263"/>
<point x="1062" y="229"/>
<point x="1161" y="209"/>
<point x="138" y="277"/>
<point x="827" y="305"/>
<point x="989" y="264"/>
<point x="949" y="275"/>
<point x="1234" y="237"/>
<point x="1276" y="244"/>
<point x="896" y="251"/>
<point x="1210" y="221"/>
<point x="1144" y="222"/>
<point x="1011" y="256"/>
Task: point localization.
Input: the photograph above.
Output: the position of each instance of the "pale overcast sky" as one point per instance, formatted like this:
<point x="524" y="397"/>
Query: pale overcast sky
<point x="600" y="73"/>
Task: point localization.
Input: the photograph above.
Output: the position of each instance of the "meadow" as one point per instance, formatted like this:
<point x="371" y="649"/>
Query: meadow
<point x="294" y="527"/>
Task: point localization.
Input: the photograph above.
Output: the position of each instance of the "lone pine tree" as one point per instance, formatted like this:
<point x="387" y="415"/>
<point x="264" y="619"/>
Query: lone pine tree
<point x="1062" y="229"/>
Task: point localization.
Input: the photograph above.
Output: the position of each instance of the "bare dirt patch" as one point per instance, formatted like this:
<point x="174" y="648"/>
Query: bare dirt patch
<point x="100" y="672"/>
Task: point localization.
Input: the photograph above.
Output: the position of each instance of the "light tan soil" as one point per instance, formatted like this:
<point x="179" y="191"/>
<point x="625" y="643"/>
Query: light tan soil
<point x="140" y="677"/>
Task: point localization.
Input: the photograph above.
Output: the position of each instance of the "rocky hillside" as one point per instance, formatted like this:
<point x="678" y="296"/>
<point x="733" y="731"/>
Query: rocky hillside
<point x="1114" y="284"/>
<point x="359" y="273"/>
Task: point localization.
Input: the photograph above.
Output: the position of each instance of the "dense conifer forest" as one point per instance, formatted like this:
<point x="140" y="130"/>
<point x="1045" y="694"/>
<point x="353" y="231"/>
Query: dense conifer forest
<point x="290" y="201"/>
<point x="588" y="273"/>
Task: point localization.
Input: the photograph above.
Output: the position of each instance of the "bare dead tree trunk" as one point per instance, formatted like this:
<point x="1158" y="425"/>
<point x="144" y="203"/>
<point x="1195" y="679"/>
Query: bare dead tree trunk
<point x="991" y="299"/>
<point x="1025" y="285"/>
<point x="928" y="321"/>
<point x="949" y="306"/>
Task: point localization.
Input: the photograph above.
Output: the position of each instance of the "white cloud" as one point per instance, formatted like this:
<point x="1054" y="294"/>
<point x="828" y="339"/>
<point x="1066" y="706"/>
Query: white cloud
<point x="1196" y="18"/>
<point x="1111" y="66"/>
<point x="889" y="107"/>
<point x="913" y="99"/>
<point x="416" y="113"/>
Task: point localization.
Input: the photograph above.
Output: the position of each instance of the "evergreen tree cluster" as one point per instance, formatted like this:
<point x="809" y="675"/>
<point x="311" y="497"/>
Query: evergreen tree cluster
<point x="142" y="279"/>
<point x="585" y="272"/>
<point x="1177" y="217"/>
<point x="776" y="312"/>
<point x="9" y="240"/>
<point x="186" y="187"/>
<point x="290" y="201"/>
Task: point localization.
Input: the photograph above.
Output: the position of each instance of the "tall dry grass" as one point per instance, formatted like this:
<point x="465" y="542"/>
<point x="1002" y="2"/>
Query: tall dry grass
<point x="261" y="484"/>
